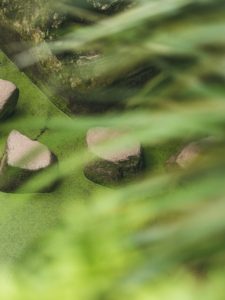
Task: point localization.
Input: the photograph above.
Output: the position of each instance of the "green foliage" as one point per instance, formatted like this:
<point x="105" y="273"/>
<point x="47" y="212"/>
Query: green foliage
<point x="162" y="235"/>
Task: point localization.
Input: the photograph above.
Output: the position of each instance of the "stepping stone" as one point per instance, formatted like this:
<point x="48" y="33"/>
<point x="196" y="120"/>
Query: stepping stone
<point x="190" y="153"/>
<point x="112" y="163"/>
<point x="9" y="95"/>
<point x="23" y="158"/>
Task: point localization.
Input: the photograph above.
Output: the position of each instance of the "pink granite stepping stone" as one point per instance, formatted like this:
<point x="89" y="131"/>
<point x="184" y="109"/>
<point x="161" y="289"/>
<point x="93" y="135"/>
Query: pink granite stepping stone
<point x="114" y="162"/>
<point x="23" y="158"/>
<point x="187" y="156"/>
<point x="9" y="95"/>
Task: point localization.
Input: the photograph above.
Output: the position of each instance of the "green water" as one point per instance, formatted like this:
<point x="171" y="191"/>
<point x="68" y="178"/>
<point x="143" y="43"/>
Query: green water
<point x="23" y="219"/>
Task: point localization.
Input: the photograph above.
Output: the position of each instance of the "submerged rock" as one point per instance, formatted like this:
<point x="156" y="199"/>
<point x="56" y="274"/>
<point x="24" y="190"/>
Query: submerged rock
<point x="115" y="157"/>
<point x="9" y="95"/>
<point x="23" y="158"/>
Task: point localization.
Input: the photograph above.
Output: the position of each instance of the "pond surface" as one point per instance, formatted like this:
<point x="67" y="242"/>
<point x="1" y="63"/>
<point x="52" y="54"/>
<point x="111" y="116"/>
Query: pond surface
<point x="25" y="217"/>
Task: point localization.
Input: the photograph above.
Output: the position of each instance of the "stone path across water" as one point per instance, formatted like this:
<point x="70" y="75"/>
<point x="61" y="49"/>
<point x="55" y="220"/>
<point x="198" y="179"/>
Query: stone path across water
<point x="23" y="219"/>
<point x="22" y="157"/>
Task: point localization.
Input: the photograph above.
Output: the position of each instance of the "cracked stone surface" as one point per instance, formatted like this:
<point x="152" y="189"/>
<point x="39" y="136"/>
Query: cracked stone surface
<point x="9" y="95"/>
<point x="23" y="158"/>
<point x="115" y="156"/>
